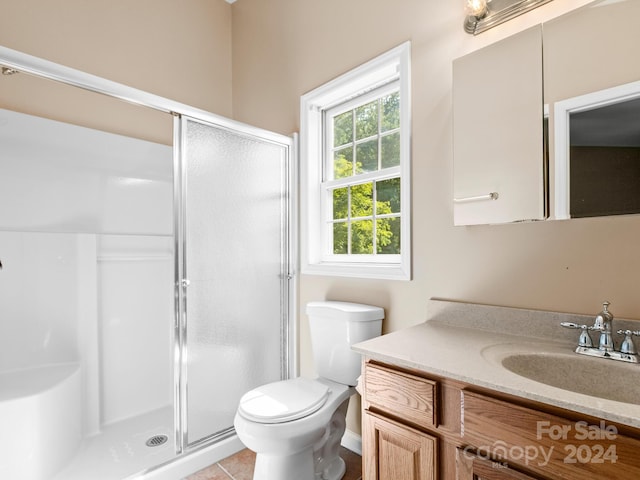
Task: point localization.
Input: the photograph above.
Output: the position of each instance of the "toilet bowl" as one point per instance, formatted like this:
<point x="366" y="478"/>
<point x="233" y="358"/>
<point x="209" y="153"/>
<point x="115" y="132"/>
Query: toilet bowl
<point x="295" y="426"/>
<point x="305" y="448"/>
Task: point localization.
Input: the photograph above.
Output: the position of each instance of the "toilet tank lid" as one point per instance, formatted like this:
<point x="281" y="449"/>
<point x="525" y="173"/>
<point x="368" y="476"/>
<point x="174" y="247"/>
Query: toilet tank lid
<point x="356" y="312"/>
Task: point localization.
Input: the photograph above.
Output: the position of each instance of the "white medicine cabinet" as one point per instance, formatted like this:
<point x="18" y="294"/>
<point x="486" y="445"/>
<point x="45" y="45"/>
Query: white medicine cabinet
<point x="499" y="168"/>
<point x="541" y="136"/>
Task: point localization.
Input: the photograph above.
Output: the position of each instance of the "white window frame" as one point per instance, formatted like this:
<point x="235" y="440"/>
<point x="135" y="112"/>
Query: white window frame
<point x="316" y="257"/>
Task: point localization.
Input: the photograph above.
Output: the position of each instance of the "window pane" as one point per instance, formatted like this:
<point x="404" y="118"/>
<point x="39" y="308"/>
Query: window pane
<point x="367" y="156"/>
<point x="367" y="120"/>
<point x="362" y="200"/>
<point x="340" y="203"/>
<point x="362" y="237"/>
<point x="343" y="129"/>
<point x="343" y="162"/>
<point x="390" y="145"/>
<point x="388" y="196"/>
<point x="340" y="238"/>
<point x="388" y="236"/>
<point x="390" y="106"/>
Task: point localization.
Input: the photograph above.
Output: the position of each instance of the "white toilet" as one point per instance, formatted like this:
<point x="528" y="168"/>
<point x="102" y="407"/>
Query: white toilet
<point x="295" y="426"/>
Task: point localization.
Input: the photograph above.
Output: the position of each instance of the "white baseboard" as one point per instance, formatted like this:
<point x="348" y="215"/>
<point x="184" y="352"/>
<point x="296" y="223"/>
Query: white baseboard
<point x="352" y="442"/>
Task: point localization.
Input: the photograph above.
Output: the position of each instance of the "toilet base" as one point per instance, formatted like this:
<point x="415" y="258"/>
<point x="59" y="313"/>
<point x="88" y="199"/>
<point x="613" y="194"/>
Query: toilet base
<point x="318" y="462"/>
<point x="334" y="472"/>
<point x="299" y="467"/>
<point x="278" y="467"/>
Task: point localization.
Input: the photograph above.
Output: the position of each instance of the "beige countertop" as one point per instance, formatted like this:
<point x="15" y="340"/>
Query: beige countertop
<point x="467" y="342"/>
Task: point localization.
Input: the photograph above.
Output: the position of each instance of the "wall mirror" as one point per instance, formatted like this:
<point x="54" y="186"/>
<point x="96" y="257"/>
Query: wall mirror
<point x="592" y="87"/>
<point x="578" y="159"/>
<point x="597" y="147"/>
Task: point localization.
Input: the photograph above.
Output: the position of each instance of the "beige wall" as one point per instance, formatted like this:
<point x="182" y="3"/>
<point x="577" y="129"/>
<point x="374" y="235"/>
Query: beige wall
<point x="284" y="48"/>
<point x="177" y="49"/>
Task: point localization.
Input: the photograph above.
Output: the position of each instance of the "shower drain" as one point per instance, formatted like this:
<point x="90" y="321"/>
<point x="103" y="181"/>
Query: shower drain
<point x="157" y="440"/>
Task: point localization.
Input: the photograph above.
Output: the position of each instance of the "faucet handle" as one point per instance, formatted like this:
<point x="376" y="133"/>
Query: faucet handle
<point x="573" y="325"/>
<point x="584" y="340"/>
<point x="627" y="345"/>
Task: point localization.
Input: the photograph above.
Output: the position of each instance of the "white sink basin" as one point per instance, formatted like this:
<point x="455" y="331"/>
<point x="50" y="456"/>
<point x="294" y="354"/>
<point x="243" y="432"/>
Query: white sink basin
<point x="596" y="377"/>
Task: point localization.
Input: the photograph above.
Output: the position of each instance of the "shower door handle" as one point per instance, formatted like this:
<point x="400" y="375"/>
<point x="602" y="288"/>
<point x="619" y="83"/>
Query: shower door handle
<point x="184" y="283"/>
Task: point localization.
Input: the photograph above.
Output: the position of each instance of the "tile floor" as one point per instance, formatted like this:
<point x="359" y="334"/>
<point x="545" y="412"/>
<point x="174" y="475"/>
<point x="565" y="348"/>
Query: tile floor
<point x="240" y="467"/>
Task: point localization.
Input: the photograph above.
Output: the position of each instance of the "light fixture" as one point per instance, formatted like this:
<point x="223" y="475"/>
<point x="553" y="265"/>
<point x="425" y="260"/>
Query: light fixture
<point x="476" y="8"/>
<point x="482" y="15"/>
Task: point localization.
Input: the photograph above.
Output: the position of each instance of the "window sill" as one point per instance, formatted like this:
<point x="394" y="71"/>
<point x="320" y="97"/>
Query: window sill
<point x="379" y="271"/>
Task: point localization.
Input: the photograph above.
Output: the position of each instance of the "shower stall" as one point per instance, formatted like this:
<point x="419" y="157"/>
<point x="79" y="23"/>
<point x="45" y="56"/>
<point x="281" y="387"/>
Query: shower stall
<point x="146" y="276"/>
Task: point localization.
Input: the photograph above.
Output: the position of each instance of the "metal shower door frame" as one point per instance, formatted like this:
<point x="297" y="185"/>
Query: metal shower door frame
<point x="287" y="274"/>
<point x="48" y="70"/>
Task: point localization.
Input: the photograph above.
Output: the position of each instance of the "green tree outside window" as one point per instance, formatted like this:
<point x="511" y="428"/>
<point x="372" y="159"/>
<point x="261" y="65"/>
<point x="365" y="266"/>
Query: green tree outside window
<point x="366" y="139"/>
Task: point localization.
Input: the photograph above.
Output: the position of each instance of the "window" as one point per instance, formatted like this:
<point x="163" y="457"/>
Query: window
<point x="362" y="175"/>
<point x="355" y="140"/>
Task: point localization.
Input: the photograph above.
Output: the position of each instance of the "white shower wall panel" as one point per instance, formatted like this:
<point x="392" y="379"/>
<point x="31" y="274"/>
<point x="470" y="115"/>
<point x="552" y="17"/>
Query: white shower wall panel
<point x="135" y="311"/>
<point x="38" y="299"/>
<point x="58" y="177"/>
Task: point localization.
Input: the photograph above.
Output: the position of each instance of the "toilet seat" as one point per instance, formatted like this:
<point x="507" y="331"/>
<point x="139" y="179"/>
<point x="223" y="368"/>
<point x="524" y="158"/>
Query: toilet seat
<point x="284" y="401"/>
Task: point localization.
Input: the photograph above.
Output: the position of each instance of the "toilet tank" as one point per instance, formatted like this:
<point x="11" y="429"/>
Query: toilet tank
<point x="334" y="327"/>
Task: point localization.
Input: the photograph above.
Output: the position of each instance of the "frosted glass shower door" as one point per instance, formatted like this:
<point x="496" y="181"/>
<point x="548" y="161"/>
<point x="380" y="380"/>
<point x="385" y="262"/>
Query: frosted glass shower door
<point x="233" y="277"/>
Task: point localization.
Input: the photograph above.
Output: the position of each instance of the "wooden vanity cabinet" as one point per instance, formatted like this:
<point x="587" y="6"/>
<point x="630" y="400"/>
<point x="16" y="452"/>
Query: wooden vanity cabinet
<point x="546" y="443"/>
<point x="418" y="426"/>
<point x="473" y="467"/>
<point x="399" y="409"/>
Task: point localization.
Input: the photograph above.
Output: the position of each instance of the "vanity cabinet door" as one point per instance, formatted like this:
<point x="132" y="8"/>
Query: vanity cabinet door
<point x="392" y="451"/>
<point x="498" y="145"/>
<point x="472" y="467"/>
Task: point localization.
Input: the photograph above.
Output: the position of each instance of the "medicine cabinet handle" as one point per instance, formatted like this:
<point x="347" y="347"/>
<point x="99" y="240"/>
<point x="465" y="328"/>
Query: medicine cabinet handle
<point x="477" y="198"/>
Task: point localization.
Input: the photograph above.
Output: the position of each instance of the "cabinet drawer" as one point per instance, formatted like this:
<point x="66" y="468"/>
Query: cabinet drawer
<point x="547" y="444"/>
<point x="401" y="394"/>
<point x="474" y="467"/>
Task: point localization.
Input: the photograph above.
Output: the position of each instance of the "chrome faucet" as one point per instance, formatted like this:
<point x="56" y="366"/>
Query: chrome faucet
<point x="603" y="324"/>
<point x="606" y="346"/>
